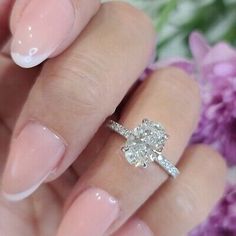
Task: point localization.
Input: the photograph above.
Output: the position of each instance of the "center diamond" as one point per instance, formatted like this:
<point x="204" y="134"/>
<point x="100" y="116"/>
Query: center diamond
<point x="139" y="146"/>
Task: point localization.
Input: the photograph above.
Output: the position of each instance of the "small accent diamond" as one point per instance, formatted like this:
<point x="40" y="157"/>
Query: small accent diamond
<point x="119" y="129"/>
<point x="167" y="165"/>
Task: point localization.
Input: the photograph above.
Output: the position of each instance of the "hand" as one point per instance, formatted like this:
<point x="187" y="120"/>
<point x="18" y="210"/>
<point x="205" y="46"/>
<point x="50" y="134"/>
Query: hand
<point x="72" y="96"/>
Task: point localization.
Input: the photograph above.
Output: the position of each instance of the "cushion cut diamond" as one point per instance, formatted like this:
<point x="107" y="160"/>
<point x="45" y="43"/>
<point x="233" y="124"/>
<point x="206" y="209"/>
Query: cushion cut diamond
<point x="140" y="145"/>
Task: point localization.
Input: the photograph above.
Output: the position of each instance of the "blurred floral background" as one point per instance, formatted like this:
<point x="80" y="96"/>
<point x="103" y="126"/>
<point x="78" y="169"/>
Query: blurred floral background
<point x="176" y="19"/>
<point x="211" y="58"/>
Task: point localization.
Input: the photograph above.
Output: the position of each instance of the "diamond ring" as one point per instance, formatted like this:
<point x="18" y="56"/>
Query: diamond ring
<point x="144" y="145"/>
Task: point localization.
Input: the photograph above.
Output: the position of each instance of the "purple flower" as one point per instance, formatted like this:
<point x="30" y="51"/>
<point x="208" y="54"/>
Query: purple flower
<point x="222" y="220"/>
<point x="215" y="69"/>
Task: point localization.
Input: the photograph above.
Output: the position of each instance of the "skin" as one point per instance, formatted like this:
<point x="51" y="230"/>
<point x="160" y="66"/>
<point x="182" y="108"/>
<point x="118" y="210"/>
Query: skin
<point x="89" y="80"/>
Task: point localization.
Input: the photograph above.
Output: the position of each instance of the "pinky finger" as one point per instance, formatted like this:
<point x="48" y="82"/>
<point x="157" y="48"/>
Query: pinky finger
<point x="180" y="205"/>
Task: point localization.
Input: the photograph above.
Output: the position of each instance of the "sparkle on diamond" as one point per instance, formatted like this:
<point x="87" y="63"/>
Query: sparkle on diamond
<point x="147" y="137"/>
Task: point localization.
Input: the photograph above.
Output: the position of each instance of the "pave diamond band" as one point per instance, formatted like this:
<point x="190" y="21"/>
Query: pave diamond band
<point x="120" y="129"/>
<point x="144" y="145"/>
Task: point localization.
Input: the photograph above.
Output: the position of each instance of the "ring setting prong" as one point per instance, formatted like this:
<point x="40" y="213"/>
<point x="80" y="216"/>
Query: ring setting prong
<point x="124" y="149"/>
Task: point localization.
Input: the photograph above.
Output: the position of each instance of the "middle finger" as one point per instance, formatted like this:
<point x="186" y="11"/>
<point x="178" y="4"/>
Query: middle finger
<point x="112" y="190"/>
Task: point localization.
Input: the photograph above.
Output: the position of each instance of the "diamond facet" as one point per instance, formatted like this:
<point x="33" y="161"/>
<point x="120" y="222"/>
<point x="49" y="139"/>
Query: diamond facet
<point x="144" y="140"/>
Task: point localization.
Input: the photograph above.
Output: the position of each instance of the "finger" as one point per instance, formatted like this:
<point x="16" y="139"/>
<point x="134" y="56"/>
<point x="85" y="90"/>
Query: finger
<point x="81" y="164"/>
<point x="43" y="29"/>
<point x="90" y="153"/>
<point x="15" y="84"/>
<point x="168" y="96"/>
<point x="13" y="80"/>
<point x="5" y="8"/>
<point x="74" y="94"/>
<point x="181" y="205"/>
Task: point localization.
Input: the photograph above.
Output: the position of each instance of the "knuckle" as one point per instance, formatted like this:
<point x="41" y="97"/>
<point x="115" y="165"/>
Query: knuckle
<point x="180" y="83"/>
<point x="80" y="87"/>
<point x="213" y="161"/>
<point x="189" y="204"/>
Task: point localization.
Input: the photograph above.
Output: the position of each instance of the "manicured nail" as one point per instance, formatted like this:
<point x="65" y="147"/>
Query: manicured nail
<point x="43" y="26"/>
<point x="34" y="155"/>
<point x="134" y="227"/>
<point x="92" y="213"/>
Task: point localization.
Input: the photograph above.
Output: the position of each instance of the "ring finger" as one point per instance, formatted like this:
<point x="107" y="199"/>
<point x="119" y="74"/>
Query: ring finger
<point x="168" y="96"/>
<point x="177" y="207"/>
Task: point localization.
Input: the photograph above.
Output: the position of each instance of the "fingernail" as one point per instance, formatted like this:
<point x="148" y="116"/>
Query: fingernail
<point x="134" y="227"/>
<point x="34" y="155"/>
<point x="92" y="213"/>
<point x="42" y="27"/>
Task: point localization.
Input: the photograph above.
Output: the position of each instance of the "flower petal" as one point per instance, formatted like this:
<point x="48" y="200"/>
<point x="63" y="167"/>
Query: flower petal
<point x="198" y="46"/>
<point x="221" y="52"/>
<point x="184" y="64"/>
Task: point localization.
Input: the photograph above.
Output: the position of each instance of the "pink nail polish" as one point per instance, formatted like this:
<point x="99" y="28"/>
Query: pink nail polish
<point x="92" y="213"/>
<point x="33" y="156"/>
<point x="43" y="26"/>
<point x="134" y="227"/>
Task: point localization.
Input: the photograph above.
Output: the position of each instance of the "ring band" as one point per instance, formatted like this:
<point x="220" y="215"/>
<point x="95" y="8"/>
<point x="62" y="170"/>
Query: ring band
<point x="144" y="145"/>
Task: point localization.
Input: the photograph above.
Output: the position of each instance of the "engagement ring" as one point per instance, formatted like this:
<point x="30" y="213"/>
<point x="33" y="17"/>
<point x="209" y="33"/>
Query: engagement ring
<point x="144" y="145"/>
